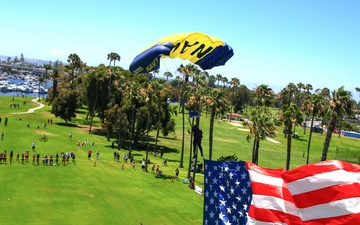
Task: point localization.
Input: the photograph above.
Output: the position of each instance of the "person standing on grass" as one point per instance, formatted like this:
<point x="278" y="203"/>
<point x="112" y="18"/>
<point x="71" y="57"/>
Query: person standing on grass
<point x="73" y="158"/>
<point x="56" y="159"/>
<point x="70" y="136"/>
<point x="2" y="136"/>
<point x="33" y="145"/>
<point x="89" y="154"/>
<point x="11" y="156"/>
<point x="177" y="172"/>
<point x="97" y="155"/>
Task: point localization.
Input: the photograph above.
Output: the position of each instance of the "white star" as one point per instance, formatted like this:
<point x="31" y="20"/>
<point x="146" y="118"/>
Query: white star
<point x="237" y="183"/>
<point x="206" y="165"/>
<point x="228" y="195"/>
<point x="222" y="188"/>
<point x="248" y="184"/>
<point x="215" y="168"/>
<point x="221" y="174"/>
<point x="215" y="180"/>
<point x="206" y="180"/>
<point x="209" y="173"/>
<point x="207" y="193"/>
<point x="210" y="186"/>
<point x="238" y="167"/>
<point x="241" y="213"/>
<point x="215" y="193"/>
<point x="206" y="221"/>
<point x="243" y="176"/>
<point x="234" y="217"/>
<point x="226" y="168"/>
<point x="222" y="202"/>
<point x="221" y="216"/>
<point x="227" y="222"/>
<point x="238" y="198"/>
<point x="231" y="175"/>
<point x="228" y="210"/>
<point x="206" y="207"/>
<point x="216" y="222"/>
<point x="243" y="190"/>
<point x="211" y="214"/>
<point x="245" y="206"/>
<point x="232" y="190"/>
<point x="234" y="205"/>
<point x="212" y="201"/>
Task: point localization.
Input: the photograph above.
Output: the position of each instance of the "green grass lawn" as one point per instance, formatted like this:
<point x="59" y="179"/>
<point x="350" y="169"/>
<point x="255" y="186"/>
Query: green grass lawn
<point x="107" y="193"/>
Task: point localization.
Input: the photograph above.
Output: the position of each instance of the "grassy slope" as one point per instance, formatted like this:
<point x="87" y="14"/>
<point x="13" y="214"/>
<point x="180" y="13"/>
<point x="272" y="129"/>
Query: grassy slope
<point x="106" y="194"/>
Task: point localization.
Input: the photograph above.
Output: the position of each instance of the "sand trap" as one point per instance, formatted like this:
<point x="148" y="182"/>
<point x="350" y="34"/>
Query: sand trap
<point x="246" y="129"/>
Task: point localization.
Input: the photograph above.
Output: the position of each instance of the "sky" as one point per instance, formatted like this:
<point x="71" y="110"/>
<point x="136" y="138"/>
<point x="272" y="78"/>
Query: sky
<point x="275" y="42"/>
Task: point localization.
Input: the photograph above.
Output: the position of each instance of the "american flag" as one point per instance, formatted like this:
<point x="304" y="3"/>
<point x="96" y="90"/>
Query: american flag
<point x="326" y="192"/>
<point x="227" y="193"/>
<point x="320" y="193"/>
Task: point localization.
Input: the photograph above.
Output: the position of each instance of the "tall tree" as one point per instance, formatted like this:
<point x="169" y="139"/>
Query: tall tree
<point x="313" y="107"/>
<point x="168" y="74"/>
<point x="290" y="115"/>
<point x="218" y="105"/>
<point x="341" y="104"/>
<point x="112" y="57"/>
<point x="187" y="71"/>
<point x="235" y="82"/>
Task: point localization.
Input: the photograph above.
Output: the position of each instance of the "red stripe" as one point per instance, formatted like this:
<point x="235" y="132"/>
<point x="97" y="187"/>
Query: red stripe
<point x="264" y="171"/>
<point x="352" y="219"/>
<point x="326" y="195"/>
<point x="318" y="168"/>
<point x="270" y="190"/>
<point x="273" y="216"/>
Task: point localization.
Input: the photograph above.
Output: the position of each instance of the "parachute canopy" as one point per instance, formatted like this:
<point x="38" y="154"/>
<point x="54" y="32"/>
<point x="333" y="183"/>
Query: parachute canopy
<point x="206" y="52"/>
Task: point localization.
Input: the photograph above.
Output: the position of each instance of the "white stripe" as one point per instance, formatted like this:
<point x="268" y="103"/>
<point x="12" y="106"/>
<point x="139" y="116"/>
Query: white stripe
<point x="332" y="209"/>
<point x="261" y="178"/>
<point x="323" y="180"/>
<point x="269" y="202"/>
<point x="252" y="221"/>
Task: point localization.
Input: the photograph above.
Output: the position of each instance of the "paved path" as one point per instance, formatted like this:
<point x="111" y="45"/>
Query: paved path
<point x="32" y="109"/>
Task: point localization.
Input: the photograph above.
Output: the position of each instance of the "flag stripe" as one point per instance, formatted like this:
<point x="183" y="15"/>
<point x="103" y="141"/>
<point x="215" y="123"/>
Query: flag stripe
<point x="268" y="216"/>
<point x="332" y="209"/>
<point x="326" y="192"/>
<point x="327" y="195"/>
<point x="271" y="190"/>
<point x="318" y="168"/>
<point x="271" y="200"/>
<point x="323" y="180"/>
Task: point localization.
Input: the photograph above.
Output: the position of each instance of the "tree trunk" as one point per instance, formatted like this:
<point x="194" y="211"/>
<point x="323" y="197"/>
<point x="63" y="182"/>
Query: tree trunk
<point x="93" y="110"/>
<point x="288" y="155"/>
<point x="181" y="165"/>
<point x="147" y="139"/>
<point x="329" y="131"/>
<point x="309" y="141"/>
<point x="211" y="131"/>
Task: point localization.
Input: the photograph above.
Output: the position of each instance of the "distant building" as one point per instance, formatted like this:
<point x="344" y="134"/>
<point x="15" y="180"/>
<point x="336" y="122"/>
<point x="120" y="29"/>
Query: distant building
<point x="234" y="116"/>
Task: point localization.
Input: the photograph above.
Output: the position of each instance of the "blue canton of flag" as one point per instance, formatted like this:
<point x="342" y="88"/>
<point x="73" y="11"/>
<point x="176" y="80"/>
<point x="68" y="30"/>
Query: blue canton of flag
<point x="228" y="193"/>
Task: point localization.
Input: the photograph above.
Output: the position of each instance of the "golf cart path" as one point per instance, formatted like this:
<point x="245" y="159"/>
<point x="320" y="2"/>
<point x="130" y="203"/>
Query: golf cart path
<point x="32" y="109"/>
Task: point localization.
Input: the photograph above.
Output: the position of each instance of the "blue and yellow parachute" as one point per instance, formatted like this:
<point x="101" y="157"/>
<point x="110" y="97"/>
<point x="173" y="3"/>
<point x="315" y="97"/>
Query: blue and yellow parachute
<point x="206" y="52"/>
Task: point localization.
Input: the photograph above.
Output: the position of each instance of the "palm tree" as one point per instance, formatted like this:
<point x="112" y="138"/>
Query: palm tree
<point x="167" y="75"/>
<point x="341" y="104"/>
<point x="40" y="81"/>
<point x="218" y="79"/>
<point x="260" y="121"/>
<point x="54" y="77"/>
<point x="218" y="105"/>
<point x="314" y="107"/>
<point x="112" y="57"/>
<point x="290" y="115"/>
<point x="261" y="125"/>
<point x="235" y="82"/>
<point x="186" y="71"/>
